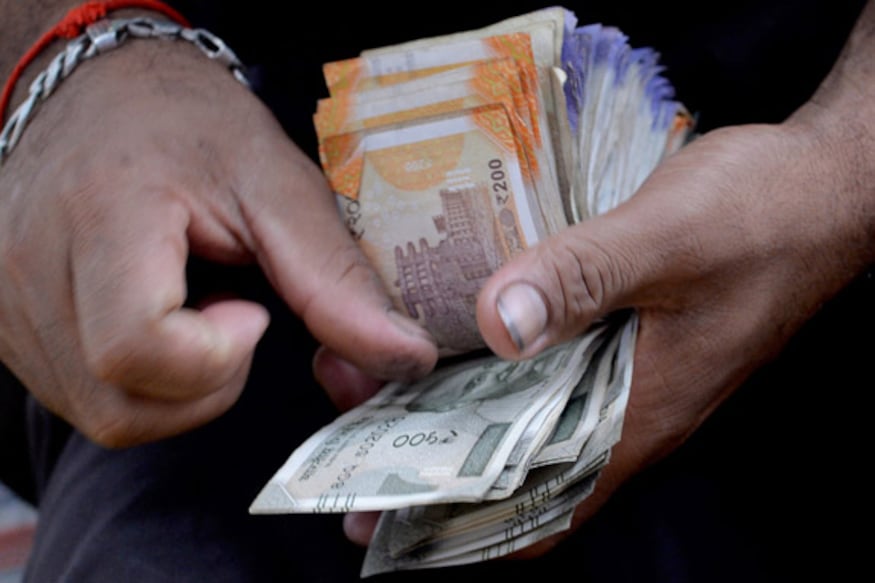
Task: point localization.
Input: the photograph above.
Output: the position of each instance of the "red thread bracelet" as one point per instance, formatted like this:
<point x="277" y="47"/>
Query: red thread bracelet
<point x="74" y="24"/>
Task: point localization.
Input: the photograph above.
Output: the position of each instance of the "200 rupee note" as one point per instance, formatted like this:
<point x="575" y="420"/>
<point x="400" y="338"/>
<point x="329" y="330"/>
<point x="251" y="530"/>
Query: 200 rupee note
<point x="437" y="207"/>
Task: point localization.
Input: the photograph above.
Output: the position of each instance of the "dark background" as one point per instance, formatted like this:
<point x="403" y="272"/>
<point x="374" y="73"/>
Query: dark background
<point x="770" y="489"/>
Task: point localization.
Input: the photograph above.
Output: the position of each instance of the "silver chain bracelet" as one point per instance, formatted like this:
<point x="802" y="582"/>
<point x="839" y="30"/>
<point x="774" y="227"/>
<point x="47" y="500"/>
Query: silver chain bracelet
<point x="101" y="37"/>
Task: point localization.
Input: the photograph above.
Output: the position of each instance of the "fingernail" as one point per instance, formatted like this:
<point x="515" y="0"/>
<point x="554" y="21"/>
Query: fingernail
<point x="523" y="312"/>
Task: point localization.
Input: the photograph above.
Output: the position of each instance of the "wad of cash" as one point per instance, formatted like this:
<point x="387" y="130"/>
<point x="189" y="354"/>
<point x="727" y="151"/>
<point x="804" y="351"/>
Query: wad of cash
<point x="449" y="156"/>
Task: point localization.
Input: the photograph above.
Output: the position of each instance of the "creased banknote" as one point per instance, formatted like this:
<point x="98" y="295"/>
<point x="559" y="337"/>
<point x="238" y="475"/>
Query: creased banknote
<point x="449" y="157"/>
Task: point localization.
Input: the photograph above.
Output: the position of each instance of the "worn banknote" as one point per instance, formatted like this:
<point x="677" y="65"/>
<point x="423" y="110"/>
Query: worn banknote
<point x="450" y="156"/>
<point x="445" y="438"/>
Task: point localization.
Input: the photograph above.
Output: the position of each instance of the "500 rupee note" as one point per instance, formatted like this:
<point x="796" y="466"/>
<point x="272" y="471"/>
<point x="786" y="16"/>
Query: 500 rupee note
<point x="442" y="439"/>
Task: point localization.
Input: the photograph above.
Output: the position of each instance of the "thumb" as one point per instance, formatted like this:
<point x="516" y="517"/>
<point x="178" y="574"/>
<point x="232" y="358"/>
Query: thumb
<point x="325" y="278"/>
<point x="556" y="289"/>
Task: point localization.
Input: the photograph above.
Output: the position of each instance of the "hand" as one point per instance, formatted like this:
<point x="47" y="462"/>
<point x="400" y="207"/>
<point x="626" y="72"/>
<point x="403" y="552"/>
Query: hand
<point x="142" y="156"/>
<point x="725" y="251"/>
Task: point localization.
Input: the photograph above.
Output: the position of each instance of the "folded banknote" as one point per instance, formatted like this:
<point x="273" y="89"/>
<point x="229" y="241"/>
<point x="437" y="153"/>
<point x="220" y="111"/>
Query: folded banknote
<point x="449" y="156"/>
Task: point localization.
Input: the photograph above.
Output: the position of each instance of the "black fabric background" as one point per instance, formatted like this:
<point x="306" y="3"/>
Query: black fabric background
<point x="731" y="62"/>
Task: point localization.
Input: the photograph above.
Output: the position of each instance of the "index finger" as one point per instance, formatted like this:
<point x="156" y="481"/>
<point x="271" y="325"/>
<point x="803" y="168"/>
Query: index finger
<point x="128" y="271"/>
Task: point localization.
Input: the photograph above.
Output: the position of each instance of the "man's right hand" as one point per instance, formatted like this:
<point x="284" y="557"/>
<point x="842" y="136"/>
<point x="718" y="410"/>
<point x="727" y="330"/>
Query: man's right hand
<point x="143" y="155"/>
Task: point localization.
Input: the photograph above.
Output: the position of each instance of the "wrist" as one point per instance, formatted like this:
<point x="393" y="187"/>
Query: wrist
<point x="43" y="58"/>
<point x="72" y="26"/>
<point x="101" y="37"/>
<point x="833" y="159"/>
<point x="839" y="120"/>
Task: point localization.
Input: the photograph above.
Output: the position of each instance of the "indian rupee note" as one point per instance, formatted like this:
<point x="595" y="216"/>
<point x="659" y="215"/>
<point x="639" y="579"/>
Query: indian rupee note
<point x="437" y="206"/>
<point x="444" y="438"/>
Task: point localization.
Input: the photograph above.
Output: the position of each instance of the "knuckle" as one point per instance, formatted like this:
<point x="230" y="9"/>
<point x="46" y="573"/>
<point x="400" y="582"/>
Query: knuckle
<point x="584" y="276"/>
<point x="108" y="423"/>
<point x="110" y="434"/>
<point x="111" y="359"/>
<point x="349" y="264"/>
<point x="345" y="267"/>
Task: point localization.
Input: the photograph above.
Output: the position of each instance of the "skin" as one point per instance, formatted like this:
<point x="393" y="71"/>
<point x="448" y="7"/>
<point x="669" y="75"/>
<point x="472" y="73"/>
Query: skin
<point x="99" y="212"/>
<point x="729" y="247"/>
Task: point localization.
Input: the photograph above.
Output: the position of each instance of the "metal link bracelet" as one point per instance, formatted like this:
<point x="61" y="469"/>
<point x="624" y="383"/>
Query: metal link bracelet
<point x="101" y="37"/>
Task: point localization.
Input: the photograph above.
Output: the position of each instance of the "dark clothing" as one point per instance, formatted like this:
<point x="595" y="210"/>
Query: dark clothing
<point x="762" y="492"/>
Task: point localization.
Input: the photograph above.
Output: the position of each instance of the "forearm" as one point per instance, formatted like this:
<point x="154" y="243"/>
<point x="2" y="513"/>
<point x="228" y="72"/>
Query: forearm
<point x="840" y="119"/>
<point x="849" y="89"/>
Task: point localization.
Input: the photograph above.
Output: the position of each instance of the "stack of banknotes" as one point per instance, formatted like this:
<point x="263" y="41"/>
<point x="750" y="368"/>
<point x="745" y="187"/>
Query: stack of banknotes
<point x="450" y="156"/>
